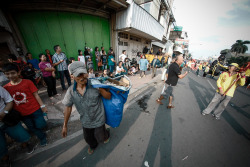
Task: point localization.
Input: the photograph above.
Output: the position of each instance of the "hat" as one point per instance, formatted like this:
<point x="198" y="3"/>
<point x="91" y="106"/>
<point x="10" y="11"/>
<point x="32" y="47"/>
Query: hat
<point x="76" y="68"/>
<point x="234" y="64"/>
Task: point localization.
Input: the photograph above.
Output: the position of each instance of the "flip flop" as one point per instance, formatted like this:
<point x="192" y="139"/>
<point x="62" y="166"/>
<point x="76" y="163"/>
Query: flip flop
<point x="90" y="151"/>
<point x="159" y="102"/>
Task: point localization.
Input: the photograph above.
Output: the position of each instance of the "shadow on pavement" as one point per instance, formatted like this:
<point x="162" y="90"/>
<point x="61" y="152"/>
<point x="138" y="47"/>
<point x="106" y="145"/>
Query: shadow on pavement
<point x="201" y="99"/>
<point x="243" y="92"/>
<point x="235" y="125"/>
<point x="239" y="110"/>
<point x="161" y="139"/>
<point x="129" y="118"/>
<point x="100" y="154"/>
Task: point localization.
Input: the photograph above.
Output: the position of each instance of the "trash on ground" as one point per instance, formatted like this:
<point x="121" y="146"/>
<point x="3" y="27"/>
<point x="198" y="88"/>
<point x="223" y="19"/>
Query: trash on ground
<point x="184" y="158"/>
<point x="146" y="164"/>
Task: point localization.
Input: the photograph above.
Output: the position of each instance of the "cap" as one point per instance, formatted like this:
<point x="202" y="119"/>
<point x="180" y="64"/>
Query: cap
<point x="76" y="68"/>
<point x="234" y="64"/>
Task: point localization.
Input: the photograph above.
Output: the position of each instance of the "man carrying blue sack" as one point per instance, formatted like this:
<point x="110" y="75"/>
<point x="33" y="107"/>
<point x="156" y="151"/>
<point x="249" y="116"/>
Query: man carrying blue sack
<point x="88" y="103"/>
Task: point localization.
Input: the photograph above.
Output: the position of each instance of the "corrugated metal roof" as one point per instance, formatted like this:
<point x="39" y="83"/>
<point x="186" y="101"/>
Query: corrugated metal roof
<point x="96" y="7"/>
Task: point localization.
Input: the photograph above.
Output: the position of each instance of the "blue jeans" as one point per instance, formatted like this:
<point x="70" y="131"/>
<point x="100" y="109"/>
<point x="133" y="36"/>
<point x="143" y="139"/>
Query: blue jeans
<point x="17" y="132"/>
<point x="197" y="72"/>
<point x="104" y="66"/>
<point x="111" y="68"/>
<point x="35" y="122"/>
<point x="66" y="74"/>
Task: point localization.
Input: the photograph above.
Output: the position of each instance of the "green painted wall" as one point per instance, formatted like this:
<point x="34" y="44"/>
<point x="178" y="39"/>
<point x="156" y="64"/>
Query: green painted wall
<point x="43" y="30"/>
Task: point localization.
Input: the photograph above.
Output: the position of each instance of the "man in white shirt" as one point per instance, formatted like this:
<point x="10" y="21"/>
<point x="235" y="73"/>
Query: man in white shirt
<point x="123" y="56"/>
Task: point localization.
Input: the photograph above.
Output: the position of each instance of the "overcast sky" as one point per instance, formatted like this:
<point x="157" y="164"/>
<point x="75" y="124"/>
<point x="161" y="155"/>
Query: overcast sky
<point x="213" y="25"/>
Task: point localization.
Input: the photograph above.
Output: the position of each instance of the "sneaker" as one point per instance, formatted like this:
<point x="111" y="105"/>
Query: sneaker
<point x="217" y="118"/>
<point x="203" y="113"/>
<point x="43" y="142"/>
<point x="30" y="148"/>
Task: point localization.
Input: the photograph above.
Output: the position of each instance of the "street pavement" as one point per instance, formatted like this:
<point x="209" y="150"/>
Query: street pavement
<point x="152" y="134"/>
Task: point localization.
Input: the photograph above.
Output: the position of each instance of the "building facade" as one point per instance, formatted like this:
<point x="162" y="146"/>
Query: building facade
<point x="179" y="39"/>
<point x="41" y="24"/>
<point x="33" y="26"/>
<point x="144" y="23"/>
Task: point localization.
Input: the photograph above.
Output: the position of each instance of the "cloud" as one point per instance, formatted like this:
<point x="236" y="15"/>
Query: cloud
<point x="238" y="16"/>
<point x="213" y="25"/>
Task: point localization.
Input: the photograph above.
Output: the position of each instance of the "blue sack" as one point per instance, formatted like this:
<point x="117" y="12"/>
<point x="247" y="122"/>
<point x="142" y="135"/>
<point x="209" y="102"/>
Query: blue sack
<point x="113" y="107"/>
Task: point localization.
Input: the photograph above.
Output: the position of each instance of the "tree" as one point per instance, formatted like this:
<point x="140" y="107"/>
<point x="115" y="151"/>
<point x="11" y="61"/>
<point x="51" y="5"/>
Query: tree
<point x="240" y="47"/>
<point x="239" y="60"/>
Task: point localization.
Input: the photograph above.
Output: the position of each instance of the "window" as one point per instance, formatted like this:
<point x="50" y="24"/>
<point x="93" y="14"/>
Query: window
<point x="120" y="43"/>
<point x="123" y="35"/>
<point x="125" y="44"/>
<point x="134" y="38"/>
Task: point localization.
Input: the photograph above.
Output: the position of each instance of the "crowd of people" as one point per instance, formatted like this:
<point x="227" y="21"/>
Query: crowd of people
<point x="20" y="101"/>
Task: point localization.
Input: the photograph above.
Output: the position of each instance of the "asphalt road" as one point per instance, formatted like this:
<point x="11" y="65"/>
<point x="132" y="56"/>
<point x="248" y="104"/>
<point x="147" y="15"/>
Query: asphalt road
<point x="151" y="133"/>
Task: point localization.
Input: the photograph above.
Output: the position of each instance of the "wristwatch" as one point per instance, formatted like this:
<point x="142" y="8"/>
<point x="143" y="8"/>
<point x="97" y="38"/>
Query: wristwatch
<point x="6" y="112"/>
<point x="42" y="106"/>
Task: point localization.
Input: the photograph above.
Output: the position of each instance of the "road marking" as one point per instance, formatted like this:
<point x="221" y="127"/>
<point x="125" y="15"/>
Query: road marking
<point x="210" y="84"/>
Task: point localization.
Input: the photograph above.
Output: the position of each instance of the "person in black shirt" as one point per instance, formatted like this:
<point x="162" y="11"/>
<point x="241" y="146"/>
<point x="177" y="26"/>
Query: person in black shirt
<point x="173" y="75"/>
<point x="159" y="52"/>
<point x="104" y="58"/>
<point x="145" y="50"/>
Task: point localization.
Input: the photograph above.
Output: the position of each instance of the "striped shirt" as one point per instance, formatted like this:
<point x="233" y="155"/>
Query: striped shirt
<point x="57" y="57"/>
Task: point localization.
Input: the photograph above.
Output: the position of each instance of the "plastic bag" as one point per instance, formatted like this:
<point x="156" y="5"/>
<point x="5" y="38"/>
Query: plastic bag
<point x="114" y="107"/>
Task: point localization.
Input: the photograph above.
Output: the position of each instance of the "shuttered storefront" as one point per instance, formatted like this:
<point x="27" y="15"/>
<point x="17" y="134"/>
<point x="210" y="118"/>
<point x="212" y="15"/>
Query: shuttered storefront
<point x="43" y="30"/>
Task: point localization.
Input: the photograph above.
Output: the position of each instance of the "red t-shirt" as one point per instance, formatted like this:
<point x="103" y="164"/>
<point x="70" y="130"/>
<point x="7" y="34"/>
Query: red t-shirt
<point x="24" y="100"/>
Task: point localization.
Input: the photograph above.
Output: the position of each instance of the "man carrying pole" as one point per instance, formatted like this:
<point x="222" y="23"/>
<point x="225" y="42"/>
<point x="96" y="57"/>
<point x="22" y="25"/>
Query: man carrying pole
<point x="227" y="83"/>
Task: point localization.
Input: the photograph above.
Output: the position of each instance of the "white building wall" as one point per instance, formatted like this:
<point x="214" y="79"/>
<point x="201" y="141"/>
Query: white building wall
<point x="132" y="46"/>
<point x="152" y="7"/>
<point x="137" y="18"/>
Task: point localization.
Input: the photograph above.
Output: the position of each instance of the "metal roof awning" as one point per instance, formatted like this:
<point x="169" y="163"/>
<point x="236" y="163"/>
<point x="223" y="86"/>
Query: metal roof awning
<point x="96" y="7"/>
<point x="136" y="20"/>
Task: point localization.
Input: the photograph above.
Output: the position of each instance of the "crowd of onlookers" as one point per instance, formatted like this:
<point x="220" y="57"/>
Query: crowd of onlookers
<point x="20" y="80"/>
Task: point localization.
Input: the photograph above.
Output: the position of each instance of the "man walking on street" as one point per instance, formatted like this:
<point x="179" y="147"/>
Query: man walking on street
<point x="173" y="75"/>
<point x="225" y="92"/>
<point x="155" y="64"/>
<point x="88" y="103"/>
<point x="59" y="59"/>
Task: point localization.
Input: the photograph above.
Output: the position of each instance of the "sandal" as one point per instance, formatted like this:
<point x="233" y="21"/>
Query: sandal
<point x="169" y="107"/>
<point x="107" y="140"/>
<point x="159" y="102"/>
<point x="90" y="151"/>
